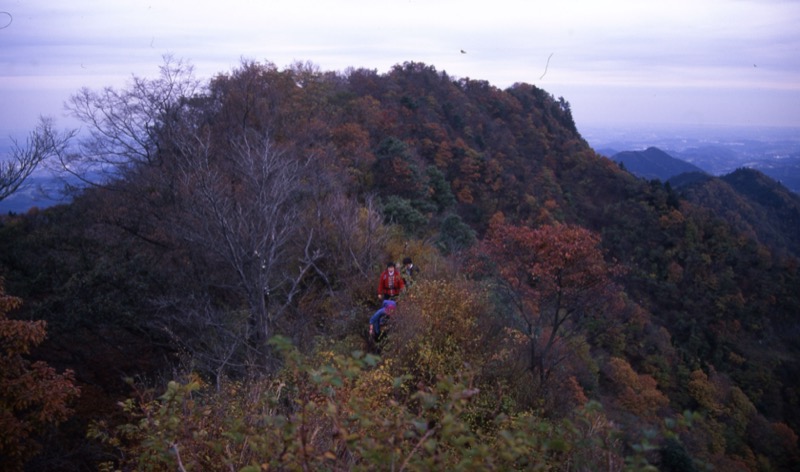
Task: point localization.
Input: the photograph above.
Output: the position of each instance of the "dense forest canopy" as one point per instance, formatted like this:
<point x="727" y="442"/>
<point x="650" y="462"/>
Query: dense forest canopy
<point x="227" y="247"/>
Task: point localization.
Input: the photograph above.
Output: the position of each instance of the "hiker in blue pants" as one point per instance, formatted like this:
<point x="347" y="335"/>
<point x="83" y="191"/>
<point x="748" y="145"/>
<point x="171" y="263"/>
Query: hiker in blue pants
<point x="379" y="319"/>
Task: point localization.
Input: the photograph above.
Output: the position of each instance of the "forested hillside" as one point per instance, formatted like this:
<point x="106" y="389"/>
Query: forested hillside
<point x="753" y="204"/>
<point x="210" y="292"/>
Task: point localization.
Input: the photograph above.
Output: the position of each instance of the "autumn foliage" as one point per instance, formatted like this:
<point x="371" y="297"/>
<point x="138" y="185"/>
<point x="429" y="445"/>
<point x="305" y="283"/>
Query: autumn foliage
<point x="33" y="396"/>
<point x="566" y="315"/>
<point x="554" y="276"/>
<point x="320" y="416"/>
<point x="437" y="331"/>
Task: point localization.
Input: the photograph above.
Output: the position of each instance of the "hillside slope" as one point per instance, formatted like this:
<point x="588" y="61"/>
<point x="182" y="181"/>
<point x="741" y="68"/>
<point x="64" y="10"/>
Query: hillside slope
<point x="268" y="203"/>
<point x="754" y="204"/>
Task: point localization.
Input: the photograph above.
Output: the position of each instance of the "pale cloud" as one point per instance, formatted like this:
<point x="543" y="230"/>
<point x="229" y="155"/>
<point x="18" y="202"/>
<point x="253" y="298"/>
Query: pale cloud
<point x="598" y="51"/>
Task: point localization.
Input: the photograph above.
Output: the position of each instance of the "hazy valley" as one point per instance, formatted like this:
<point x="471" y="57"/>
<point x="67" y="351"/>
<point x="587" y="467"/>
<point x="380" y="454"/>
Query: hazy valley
<point x="718" y="150"/>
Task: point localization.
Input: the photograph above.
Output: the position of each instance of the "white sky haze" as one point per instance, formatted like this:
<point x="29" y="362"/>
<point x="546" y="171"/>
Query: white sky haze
<point x="687" y="62"/>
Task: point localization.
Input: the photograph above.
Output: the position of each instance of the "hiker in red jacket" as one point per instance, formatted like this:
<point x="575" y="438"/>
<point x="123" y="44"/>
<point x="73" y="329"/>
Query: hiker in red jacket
<point x="390" y="284"/>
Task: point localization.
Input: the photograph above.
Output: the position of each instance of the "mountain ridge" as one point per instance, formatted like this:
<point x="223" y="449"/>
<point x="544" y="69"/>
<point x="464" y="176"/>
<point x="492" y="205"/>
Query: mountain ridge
<point x="751" y="201"/>
<point x="270" y="201"/>
<point x="653" y="163"/>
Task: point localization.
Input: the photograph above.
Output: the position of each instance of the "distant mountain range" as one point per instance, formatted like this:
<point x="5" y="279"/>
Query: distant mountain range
<point x="716" y="150"/>
<point x="653" y="163"/>
<point x="784" y="167"/>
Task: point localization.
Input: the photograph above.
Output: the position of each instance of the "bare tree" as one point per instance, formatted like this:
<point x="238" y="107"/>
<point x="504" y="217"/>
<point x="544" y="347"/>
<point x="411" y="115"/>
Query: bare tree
<point x="128" y="127"/>
<point x="194" y="171"/>
<point x="215" y="339"/>
<point x="242" y="205"/>
<point x="358" y="237"/>
<point x="42" y="144"/>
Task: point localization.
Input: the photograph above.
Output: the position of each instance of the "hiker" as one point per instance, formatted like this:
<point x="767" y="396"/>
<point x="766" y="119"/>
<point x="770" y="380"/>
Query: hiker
<point x="390" y="284"/>
<point x="379" y="319"/>
<point x="410" y="271"/>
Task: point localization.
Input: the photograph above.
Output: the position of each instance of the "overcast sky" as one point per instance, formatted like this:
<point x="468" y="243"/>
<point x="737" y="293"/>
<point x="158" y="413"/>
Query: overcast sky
<point x="690" y="62"/>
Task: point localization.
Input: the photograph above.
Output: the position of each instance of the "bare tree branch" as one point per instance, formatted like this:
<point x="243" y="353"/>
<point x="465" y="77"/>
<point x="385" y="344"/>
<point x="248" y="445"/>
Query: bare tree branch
<point x="43" y="143"/>
<point x="126" y="127"/>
